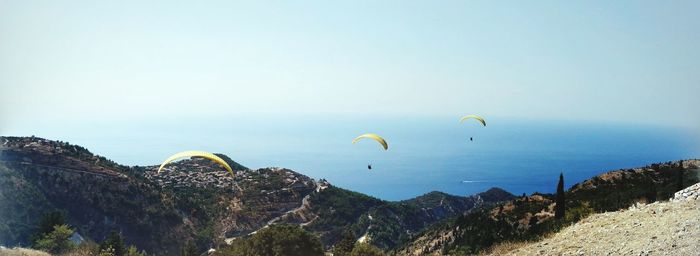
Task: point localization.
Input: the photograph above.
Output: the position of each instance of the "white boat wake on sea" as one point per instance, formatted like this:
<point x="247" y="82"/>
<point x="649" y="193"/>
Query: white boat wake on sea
<point x="473" y="181"/>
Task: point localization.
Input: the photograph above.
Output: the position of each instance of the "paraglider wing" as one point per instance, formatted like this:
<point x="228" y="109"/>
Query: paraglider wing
<point x="478" y="118"/>
<point x="203" y="154"/>
<point x="374" y="137"/>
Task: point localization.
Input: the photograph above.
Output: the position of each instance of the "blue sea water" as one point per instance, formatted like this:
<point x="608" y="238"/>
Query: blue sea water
<point x="425" y="153"/>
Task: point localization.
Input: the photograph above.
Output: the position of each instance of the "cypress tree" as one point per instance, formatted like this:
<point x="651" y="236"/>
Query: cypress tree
<point x="559" y="210"/>
<point x="679" y="179"/>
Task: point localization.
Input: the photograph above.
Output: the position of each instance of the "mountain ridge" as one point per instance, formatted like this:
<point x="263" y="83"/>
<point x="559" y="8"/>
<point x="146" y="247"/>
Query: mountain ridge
<point x="195" y="200"/>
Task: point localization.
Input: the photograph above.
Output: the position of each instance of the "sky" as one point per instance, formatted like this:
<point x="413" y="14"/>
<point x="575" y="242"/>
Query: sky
<point x="603" y="61"/>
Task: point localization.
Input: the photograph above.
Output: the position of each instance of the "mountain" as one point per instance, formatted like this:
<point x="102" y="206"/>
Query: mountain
<point x="385" y="224"/>
<point x="155" y="212"/>
<point x="197" y="201"/>
<point x="532" y="217"/>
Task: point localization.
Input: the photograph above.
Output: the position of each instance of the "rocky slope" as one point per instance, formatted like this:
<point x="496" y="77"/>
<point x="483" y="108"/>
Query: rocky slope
<point x="384" y="224"/>
<point x="530" y="217"/>
<point x="156" y="212"/>
<point x="195" y="200"/>
<point x="667" y="228"/>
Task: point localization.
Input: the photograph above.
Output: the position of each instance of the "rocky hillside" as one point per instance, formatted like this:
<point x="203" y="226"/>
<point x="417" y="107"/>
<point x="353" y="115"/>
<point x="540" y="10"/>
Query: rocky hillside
<point x="659" y="228"/>
<point x="530" y="217"/>
<point x="196" y="200"/>
<point x="384" y="224"/>
<point x="155" y="212"/>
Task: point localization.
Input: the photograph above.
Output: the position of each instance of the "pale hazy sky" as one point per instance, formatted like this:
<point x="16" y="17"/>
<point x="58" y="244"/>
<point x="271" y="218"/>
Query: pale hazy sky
<point x="624" y="61"/>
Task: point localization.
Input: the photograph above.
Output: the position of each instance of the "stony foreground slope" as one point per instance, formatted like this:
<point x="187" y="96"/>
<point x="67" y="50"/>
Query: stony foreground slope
<point x="661" y="228"/>
<point x="528" y="218"/>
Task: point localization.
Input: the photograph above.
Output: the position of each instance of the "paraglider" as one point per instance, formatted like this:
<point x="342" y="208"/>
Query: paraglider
<point x="374" y="137"/>
<point x="475" y="117"/>
<point x="202" y="154"/>
<point x="478" y="118"/>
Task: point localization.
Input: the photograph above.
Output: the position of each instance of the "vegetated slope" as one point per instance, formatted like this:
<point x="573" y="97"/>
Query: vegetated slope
<point x="155" y="212"/>
<point x="660" y="228"/>
<point x="195" y="200"/>
<point x="38" y="176"/>
<point x="330" y="210"/>
<point x="528" y="218"/>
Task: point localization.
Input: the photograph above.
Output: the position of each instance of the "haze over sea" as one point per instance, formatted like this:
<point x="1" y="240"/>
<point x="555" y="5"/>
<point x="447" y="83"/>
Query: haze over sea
<point x="425" y="153"/>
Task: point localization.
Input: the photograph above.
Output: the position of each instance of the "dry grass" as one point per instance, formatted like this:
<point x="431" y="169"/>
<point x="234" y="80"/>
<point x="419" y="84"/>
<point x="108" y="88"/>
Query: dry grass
<point x="503" y="248"/>
<point x="668" y="228"/>
<point x="21" y="252"/>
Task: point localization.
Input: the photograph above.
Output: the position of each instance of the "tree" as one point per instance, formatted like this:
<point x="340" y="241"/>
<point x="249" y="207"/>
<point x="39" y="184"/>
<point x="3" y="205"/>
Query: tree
<point x="679" y="179"/>
<point x="277" y="240"/>
<point x="651" y="193"/>
<point x="132" y="251"/>
<point x="532" y="222"/>
<point x="190" y="249"/>
<point x="115" y="242"/>
<point x="345" y="245"/>
<point x="109" y="251"/>
<point x="47" y="223"/>
<point x="560" y="209"/>
<point x="58" y="241"/>
<point x="365" y="249"/>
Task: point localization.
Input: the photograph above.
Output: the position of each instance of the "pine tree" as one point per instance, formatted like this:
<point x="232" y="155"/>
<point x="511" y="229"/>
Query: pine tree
<point x="58" y="241"/>
<point x="47" y="223"/>
<point x="559" y="211"/>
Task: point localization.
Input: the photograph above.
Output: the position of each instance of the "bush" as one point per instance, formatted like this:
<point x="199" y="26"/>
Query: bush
<point x="277" y="240"/>
<point x="114" y="244"/>
<point x="365" y="249"/>
<point x="86" y="248"/>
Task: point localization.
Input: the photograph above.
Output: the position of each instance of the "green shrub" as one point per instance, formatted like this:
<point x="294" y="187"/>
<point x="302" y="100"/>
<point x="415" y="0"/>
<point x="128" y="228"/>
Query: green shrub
<point x="365" y="249"/>
<point x="277" y="240"/>
<point x="57" y="241"/>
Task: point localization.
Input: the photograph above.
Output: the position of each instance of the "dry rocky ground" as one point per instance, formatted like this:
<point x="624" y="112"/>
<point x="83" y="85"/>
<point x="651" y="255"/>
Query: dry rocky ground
<point x="21" y="252"/>
<point x="661" y="228"/>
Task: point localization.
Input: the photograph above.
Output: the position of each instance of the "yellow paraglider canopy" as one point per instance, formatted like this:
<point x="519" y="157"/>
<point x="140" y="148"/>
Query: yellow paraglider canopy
<point x="374" y="137"/>
<point x="202" y="154"/>
<point x="478" y="118"/>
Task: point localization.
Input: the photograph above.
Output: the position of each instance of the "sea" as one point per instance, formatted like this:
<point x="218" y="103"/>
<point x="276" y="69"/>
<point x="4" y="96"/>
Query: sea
<point x="425" y="153"/>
